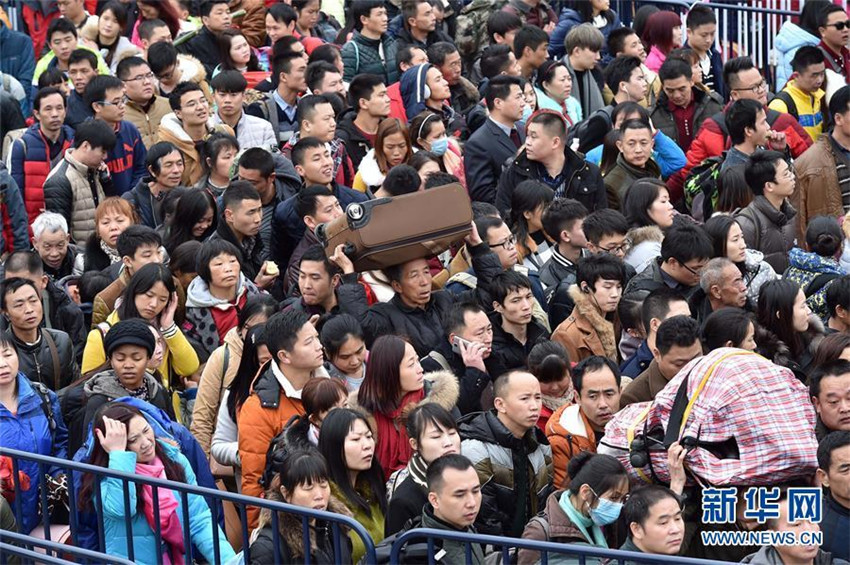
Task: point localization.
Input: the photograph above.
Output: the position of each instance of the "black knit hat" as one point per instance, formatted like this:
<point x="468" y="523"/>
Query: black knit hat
<point x="134" y="331"/>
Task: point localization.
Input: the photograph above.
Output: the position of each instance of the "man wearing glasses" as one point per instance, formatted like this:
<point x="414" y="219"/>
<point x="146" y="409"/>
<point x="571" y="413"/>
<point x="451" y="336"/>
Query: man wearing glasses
<point x="834" y="30"/>
<point x="126" y="161"/>
<point x="144" y="108"/>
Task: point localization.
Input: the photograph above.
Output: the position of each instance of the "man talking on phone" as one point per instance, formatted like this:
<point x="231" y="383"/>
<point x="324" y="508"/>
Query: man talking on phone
<point x="464" y="353"/>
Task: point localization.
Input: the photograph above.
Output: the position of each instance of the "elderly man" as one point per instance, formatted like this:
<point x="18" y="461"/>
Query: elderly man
<point x="721" y="286"/>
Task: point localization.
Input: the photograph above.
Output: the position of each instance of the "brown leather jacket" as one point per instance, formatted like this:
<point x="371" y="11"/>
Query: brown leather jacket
<point x="817" y="192"/>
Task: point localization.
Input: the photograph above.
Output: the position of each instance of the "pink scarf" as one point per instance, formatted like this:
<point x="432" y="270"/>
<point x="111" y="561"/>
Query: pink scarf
<point x="169" y="522"/>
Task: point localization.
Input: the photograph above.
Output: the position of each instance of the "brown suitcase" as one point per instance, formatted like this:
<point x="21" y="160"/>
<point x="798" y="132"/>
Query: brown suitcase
<point x="389" y="231"/>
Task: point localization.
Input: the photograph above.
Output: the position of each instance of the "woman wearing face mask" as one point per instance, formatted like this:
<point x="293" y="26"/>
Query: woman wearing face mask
<point x="432" y="433"/>
<point x="431" y="136"/>
<point x="125" y="441"/>
<point x="345" y="349"/>
<point x="553" y="88"/>
<point x="300" y="478"/>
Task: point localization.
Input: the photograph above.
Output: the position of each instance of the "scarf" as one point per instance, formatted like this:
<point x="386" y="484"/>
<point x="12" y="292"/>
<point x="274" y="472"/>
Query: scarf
<point x="169" y="521"/>
<point x="141" y="392"/>
<point x="555" y="402"/>
<point x="582" y="522"/>
<point x="113" y="255"/>
<point x="418" y="468"/>
<point x="393" y="449"/>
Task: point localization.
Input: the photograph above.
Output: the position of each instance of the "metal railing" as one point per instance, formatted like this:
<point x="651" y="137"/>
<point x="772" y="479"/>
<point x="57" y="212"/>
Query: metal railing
<point x="581" y="552"/>
<point x="242" y="502"/>
<point x="22" y="545"/>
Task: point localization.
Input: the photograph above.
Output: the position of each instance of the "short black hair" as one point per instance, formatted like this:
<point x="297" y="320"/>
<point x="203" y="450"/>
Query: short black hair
<point x="44" y="93"/>
<point x="405" y="55"/>
<point x="761" y="169"/>
<point x="79" y="55"/>
<point x="363" y="8"/>
<point x="181" y="89"/>
<point x="561" y="214"/>
<point x="603" y="266"/>
<point x="617" y="39"/>
<point x="600" y="223"/>
<point x="440" y="178"/>
<point x="211" y="249"/>
<point x="834" y="368"/>
<point x="438" y="52"/>
<point x="834" y="440"/>
<point x="146" y="28"/>
<point x="742" y="114"/>
<point x="507" y="282"/>
<point x="257" y="159"/>
<point x="230" y="81"/>
<point x="362" y="86"/>
<point x="656" y="305"/>
<point x="97" y="87"/>
<point x="620" y="70"/>
<point x="236" y="193"/>
<point x="127" y="65"/>
<point x="28" y="261"/>
<point x="641" y="501"/>
<point x="306" y="107"/>
<point x="51" y="77"/>
<point x="681" y="331"/>
<point x="97" y="133"/>
<point x="402" y="179"/>
<point x="502" y="22"/>
<point x="315" y="73"/>
<point x="672" y="69"/>
<point x="686" y="241"/>
<point x="134" y="237"/>
<point x="593" y="364"/>
<point x="454" y="320"/>
<point x="161" y="55"/>
<point x="434" y="475"/>
<point x="500" y="87"/>
<point x="635" y="124"/>
<point x="299" y="150"/>
<point x="283" y="63"/>
<point x="207" y="6"/>
<point x="60" y="25"/>
<point x="733" y="67"/>
<point x="838" y="294"/>
<point x="486" y="223"/>
<point x="552" y="123"/>
<point x="307" y="199"/>
<point x="316" y="253"/>
<point x="698" y="15"/>
<point x="529" y="36"/>
<point x="495" y="59"/>
<point x="806" y="56"/>
<point x="282" y="12"/>
<point x="155" y="154"/>
<point x="823" y="15"/>
<point x="282" y="330"/>
<point x="13" y="285"/>
<point x="840" y="101"/>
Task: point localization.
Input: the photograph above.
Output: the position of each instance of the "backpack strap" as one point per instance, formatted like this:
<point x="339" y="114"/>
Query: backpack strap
<point x="544" y="524"/>
<point x="54" y="356"/>
<point x="819" y="282"/>
<point x="44" y="394"/>
<point x="441" y="359"/>
<point x="783" y="96"/>
<point x="756" y="222"/>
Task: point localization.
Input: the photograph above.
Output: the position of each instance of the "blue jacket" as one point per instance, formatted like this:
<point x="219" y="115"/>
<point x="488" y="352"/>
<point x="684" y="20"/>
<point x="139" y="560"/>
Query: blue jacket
<point x="412" y="88"/>
<point x="12" y="211"/>
<point x="145" y="546"/>
<point x="790" y="38"/>
<point x="568" y="19"/>
<point x="667" y="154"/>
<point x="836" y="519"/>
<point x="29" y="430"/>
<point x="17" y="58"/>
<point x="126" y="161"/>
<point x="163" y="426"/>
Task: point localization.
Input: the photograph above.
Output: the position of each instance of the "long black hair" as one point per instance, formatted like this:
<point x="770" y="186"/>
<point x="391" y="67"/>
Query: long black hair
<point x="141" y="282"/>
<point x="335" y="429"/>
<point x="249" y="366"/>
<point x="776" y="311"/>
<point x="639" y="199"/>
<point x="191" y="208"/>
<point x="528" y="196"/>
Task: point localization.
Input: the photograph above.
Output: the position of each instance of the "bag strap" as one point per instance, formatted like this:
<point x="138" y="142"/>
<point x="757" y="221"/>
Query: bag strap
<point x="820" y="282"/>
<point x="441" y="359"/>
<point x="789" y="102"/>
<point x="756" y="222"/>
<point x="544" y="523"/>
<point x="54" y="356"/>
<point x="43" y="394"/>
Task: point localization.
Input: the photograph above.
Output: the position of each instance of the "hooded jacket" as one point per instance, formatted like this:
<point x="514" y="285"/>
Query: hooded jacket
<point x="251" y="131"/>
<point x="806" y="266"/>
<point x="147" y="121"/>
<point x="28" y="429"/>
<point x="786" y="43"/>
<point x="771" y="231"/>
<point x="756" y="272"/>
<point x="200" y="324"/>
<point x="569" y="433"/>
<point x="361" y="55"/>
<point x="414" y="94"/>
<point x="369" y="175"/>
<point x="36" y="360"/>
<point x="586" y="332"/>
<point x="252" y="263"/>
<point x="561" y="530"/>
<point x="356" y="144"/>
<point x="171" y="130"/>
<point x="495" y="453"/>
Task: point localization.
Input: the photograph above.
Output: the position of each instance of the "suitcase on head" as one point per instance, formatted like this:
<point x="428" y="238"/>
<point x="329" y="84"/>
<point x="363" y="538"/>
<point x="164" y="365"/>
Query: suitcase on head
<point x="389" y="231"/>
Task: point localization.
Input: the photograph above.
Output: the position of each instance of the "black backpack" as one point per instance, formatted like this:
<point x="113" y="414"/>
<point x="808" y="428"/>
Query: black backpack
<point x="413" y="553"/>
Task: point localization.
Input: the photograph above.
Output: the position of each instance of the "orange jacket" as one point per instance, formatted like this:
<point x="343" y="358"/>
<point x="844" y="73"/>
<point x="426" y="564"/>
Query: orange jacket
<point x="569" y="433"/>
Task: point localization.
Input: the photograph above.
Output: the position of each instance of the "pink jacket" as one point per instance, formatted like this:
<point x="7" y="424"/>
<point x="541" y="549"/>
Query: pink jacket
<point x="655" y="59"/>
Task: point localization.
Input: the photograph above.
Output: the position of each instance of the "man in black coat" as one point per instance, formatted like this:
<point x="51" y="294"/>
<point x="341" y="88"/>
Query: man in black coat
<point x="215" y="15"/>
<point x="497" y="140"/>
<point x="547" y="158"/>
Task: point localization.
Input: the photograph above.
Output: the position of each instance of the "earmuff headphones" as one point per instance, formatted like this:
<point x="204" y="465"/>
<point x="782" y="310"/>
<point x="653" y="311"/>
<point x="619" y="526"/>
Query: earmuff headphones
<point x="426" y="93"/>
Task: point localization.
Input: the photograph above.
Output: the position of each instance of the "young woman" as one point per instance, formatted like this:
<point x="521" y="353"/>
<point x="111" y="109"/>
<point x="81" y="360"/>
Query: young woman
<point x="345" y="349"/>
<point x="431" y="136"/>
<point x="182" y="262"/>
<point x="728" y="240"/>
<point x="529" y="200"/>
<point x="151" y="296"/>
<point x="236" y="54"/>
<point x="529" y="94"/>
<point x="834" y="346"/>
<point x="392" y="147"/>
<point x="815" y="269"/>
<point x="312" y="22"/>
<point x="111" y="217"/>
<point x="553" y="87"/>
<point x="169" y="208"/>
<point x="550" y="363"/>
<point x="433" y="433"/>
<point x="301" y="478"/>
<point x="788" y="334"/>
<point x="109" y="34"/>
<point x="649" y="212"/>
<point x="663" y="33"/>
<point x="156" y="10"/>
<point x="733" y="192"/>
<point x="596" y="12"/>
<point x="125" y="441"/>
<point x="222" y="365"/>
<point x="218" y="156"/>
<point x="426" y="164"/>
<point x="347" y="444"/>
<point x="214" y="298"/>
<point x="394" y="385"/>
<point x="24" y="425"/>
<point x="195" y="219"/>
<point x="728" y="327"/>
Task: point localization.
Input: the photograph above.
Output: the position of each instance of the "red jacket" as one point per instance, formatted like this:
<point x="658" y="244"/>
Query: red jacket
<point x="711" y="142"/>
<point x="396" y="102"/>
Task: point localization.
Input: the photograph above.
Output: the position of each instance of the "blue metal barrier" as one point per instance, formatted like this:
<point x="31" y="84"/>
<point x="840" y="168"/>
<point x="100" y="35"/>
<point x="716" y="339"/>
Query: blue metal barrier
<point x="337" y="521"/>
<point x="581" y="552"/>
<point x="23" y="543"/>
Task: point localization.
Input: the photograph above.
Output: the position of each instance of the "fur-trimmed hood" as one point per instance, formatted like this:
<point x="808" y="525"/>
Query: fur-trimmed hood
<point x="441" y="387"/>
<point x="646" y="233"/>
<point x="603" y="328"/>
<point x="291" y="527"/>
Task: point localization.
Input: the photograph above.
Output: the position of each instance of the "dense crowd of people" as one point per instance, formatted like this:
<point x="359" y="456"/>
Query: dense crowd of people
<point x="638" y="202"/>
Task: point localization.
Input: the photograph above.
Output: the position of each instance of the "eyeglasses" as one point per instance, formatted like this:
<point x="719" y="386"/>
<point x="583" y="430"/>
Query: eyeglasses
<point x="760" y="87"/>
<point x="120" y="104"/>
<point x="149" y="77"/>
<point x="617" y="249"/>
<point x="691" y="271"/>
<point x="839" y="25"/>
<point x="509" y="243"/>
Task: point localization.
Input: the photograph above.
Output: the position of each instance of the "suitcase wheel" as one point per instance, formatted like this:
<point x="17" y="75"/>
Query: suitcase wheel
<point x="354" y="212"/>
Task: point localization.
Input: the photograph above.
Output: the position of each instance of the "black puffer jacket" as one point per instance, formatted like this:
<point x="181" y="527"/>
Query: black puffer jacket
<point x="472" y="381"/>
<point x="66" y="316"/>
<point x="508" y="353"/>
<point x="422" y="325"/>
<point x="356" y="144"/>
<point x="582" y="181"/>
<point x="37" y="361"/>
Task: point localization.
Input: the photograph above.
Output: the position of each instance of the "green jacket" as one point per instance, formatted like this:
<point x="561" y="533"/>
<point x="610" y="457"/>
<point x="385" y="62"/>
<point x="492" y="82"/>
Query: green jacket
<point x="45" y="63"/>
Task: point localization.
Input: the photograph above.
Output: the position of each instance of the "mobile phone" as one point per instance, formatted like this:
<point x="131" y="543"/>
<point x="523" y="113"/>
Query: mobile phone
<point x="456" y="341"/>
